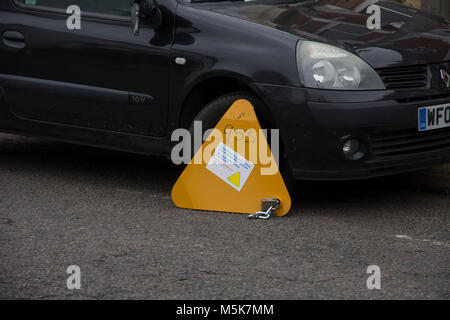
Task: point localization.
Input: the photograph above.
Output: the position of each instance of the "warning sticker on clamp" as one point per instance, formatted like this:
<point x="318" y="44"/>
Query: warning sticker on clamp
<point x="230" y="166"/>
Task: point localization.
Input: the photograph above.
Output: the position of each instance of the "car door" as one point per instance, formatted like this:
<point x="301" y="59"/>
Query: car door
<point x="99" y="76"/>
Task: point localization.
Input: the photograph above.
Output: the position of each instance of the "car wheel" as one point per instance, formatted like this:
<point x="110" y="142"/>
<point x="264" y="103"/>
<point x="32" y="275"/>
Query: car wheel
<point x="214" y="111"/>
<point x="210" y="114"/>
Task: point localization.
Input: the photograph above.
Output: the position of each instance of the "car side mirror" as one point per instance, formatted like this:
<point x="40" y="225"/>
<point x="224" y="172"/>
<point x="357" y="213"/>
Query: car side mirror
<point x="146" y="10"/>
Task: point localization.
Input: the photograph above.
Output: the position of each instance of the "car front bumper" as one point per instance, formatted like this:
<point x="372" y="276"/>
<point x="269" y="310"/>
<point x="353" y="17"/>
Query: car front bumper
<point x="314" y="125"/>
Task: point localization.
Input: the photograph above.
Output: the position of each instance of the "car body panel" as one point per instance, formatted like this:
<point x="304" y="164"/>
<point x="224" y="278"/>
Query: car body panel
<point x="94" y="73"/>
<point x="407" y="35"/>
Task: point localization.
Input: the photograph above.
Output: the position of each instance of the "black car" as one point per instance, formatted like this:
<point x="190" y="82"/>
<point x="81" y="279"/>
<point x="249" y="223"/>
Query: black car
<point x="350" y="101"/>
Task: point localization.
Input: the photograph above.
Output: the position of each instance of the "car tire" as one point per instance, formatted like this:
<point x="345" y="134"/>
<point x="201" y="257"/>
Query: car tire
<point x="214" y="111"/>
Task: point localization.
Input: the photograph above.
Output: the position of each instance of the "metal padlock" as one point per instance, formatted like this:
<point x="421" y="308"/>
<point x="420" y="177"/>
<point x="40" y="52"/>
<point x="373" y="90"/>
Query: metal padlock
<point x="268" y="206"/>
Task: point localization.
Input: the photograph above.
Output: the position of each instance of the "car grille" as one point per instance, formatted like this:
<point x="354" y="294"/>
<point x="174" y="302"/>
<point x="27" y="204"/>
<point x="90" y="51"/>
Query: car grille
<point x="404" y="77"/>
<point x="424" y="98"/>
<point x="407" y="142"/>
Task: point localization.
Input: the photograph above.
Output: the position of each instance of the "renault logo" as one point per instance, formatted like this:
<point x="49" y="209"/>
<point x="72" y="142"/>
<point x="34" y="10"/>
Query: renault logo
<point x="445" y="76"/>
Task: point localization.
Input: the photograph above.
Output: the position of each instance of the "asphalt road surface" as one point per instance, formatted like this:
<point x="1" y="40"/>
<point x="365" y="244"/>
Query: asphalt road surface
<point x="110" y="213"/>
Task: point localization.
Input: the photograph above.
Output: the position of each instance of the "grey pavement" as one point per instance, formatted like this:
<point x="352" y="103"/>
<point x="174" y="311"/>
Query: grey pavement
<point x="111" y="214"/>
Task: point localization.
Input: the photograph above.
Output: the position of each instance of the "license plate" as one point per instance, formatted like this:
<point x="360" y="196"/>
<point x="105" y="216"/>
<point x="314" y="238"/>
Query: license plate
<point x="434" y="117"/>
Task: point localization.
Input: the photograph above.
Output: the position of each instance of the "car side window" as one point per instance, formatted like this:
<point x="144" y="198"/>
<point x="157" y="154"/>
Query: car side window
<point x="110" y="7"/>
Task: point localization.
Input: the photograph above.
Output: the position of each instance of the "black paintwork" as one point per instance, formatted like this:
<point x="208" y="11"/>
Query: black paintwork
<point x="102" y="86"/>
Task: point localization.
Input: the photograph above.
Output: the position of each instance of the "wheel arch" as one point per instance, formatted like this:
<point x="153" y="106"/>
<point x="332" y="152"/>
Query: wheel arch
<point x="212" y="86"/>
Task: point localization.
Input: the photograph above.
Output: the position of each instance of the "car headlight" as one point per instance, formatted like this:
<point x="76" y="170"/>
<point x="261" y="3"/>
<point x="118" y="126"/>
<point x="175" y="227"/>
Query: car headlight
<point x="323" y="66"/>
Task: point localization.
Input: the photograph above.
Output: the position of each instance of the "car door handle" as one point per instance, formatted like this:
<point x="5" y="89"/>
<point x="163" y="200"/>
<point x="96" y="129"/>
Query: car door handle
<point x="14" y="39"/>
